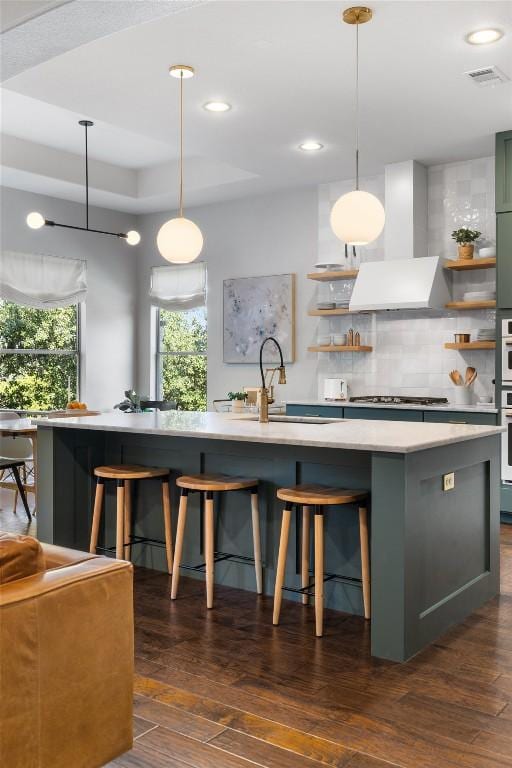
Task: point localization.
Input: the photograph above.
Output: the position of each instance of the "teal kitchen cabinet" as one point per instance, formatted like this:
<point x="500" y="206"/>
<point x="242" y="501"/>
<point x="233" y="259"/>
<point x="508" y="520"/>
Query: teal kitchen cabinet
<point x="504" y="172"/>
<point x="324" y="411"/>
<point x="389" y="414"/>
<point x="461" y="417"/>
<point x="504" y="260"/>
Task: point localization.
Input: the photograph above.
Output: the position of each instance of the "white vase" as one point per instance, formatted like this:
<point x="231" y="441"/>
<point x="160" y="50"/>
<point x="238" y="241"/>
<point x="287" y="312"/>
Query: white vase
<point x="237" y="405"/>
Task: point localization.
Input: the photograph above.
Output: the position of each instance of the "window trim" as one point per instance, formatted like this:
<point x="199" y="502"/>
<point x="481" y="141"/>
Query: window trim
<point x="159" y="354"/>
<point x="77" y="352"/>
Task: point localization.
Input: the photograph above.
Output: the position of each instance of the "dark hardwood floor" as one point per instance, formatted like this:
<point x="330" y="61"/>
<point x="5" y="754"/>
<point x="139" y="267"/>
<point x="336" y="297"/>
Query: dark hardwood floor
<point x="226" y="689"/>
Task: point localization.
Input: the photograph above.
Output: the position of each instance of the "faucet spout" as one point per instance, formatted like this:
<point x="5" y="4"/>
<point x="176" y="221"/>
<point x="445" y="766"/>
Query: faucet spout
<point x="264" y="398"/>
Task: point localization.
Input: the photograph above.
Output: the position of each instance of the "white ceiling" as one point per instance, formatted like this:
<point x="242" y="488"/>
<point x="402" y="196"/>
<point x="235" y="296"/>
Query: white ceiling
<point x="288" y="70"/>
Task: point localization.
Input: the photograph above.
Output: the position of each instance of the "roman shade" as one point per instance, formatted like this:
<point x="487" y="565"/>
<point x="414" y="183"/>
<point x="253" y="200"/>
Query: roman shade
<point x="178" y="288"/>
<point x="37" y="280"/>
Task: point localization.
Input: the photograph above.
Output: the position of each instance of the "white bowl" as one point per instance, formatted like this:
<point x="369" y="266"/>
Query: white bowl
<point x="487" y="253"/>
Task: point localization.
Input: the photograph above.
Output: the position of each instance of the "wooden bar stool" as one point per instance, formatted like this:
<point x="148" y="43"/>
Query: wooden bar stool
<point x="208" y="484"/>
<point x="317" y="497"/>
<point x="124" y="474"/>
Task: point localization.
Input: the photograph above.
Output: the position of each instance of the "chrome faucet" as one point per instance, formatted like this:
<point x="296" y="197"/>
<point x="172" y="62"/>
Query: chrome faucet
<point x="264" y="396"/>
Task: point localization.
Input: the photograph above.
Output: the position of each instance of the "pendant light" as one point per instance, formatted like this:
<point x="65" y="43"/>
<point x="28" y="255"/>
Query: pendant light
<point x="358" y="217"/>
<point x="36" y="220"/>
<point x="179" y="240"/>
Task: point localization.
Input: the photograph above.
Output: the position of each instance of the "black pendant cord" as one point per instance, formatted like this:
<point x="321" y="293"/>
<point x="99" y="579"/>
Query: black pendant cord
<point x="357" y="106"/>
<point x="86" y="180"/>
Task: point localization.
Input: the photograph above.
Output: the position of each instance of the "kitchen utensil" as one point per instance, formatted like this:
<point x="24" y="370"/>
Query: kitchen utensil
<point x="469" y="374"/>
<point x="471" y="379"/>
<point x="456" y="378"/>
<point x="335" y="389"/>
<point x="462" y="338"/>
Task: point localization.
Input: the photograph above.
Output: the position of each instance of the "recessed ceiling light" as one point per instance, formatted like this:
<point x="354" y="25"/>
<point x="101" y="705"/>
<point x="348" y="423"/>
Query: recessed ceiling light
<point x="217" y="106"/>
<point x="484" y="36"/>
<point x="311" y="146"/>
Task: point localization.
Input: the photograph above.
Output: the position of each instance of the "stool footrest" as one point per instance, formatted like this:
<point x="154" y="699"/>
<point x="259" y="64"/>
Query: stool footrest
<point x="135" y="540"/>
<point x="309" y="590"/>
<point x="219" y="557"/>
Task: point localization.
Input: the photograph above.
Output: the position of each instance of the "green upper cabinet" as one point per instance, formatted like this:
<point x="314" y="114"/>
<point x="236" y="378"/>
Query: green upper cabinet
<point x="504" y="260"/>
<point x="504" y="172"/>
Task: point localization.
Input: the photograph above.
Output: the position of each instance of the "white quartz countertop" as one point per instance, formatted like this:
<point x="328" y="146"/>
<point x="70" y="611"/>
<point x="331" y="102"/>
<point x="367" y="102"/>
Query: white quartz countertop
<point x="477" y="408"/>
<point x="351" y="434"/>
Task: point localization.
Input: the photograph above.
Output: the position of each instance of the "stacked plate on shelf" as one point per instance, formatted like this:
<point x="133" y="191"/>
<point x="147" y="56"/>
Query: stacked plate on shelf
<point x="326" y="305"/>
<point x="479" y="296"/>
<point x="486" y="334"/>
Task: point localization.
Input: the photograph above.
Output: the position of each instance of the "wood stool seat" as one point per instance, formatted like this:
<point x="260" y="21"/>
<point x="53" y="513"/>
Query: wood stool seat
<point x="312" y="496"/>
<point x="129" y="472"/>
<point x="215" y="482"/>
<point x="208" y="484"/>
<point x="124" y="475"/>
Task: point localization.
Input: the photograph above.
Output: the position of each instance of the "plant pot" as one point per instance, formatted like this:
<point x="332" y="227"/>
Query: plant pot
<point x="466" y="250"/>
<point x="237" y="405"/>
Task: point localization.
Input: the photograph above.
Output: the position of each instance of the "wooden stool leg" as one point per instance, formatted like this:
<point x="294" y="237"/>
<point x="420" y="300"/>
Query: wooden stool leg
<point x="127" y="519"/>
<point x="256" y="538"/>
<point x="304" y="558"/>
<point x="166" y="505"/>
<point x="120" y="520"/>
<point x="319" y="571"/>
<point x="96" y="515"/>
<point x="365" y="560"/>
<point x="209" y="547"/>
<point x="281" y="561"/>
<point x="180" y="531"/>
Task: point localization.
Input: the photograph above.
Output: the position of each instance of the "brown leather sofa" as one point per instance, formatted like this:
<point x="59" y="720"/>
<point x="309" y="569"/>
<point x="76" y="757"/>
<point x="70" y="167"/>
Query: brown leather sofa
<point x="66" y="656"/>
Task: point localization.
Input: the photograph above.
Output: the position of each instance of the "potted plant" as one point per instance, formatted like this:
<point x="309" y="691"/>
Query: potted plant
<point x="237" y="400"/>
<point x="465" y="239"/>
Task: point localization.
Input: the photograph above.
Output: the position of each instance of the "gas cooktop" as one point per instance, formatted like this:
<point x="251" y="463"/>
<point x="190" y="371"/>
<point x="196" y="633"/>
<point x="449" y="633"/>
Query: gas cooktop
<point x="399" y="400"/>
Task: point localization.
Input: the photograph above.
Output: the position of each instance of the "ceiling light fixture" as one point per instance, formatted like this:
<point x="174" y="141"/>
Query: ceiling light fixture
<point x="358" y="217"/>
<point x="311" y="146"/>
<point x="217" y="106"/>
<point x="36" y="220"/>
<point x="179" y="240"/>
<point x="484" y="36"/>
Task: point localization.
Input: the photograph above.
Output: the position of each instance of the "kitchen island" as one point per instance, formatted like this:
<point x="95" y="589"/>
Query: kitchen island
<point x="434" y="552"/>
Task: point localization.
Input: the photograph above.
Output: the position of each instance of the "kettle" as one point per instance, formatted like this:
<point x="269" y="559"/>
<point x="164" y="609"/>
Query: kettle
<point x="335" y="389"/>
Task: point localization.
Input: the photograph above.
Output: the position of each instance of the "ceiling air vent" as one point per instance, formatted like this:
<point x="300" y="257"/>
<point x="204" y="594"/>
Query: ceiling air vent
<point x="487" y="76"/>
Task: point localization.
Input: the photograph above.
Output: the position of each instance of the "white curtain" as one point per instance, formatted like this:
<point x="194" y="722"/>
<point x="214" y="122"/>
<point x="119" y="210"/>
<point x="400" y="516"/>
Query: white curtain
<point x="180" y="287"/>
<point x="34" y="280"/>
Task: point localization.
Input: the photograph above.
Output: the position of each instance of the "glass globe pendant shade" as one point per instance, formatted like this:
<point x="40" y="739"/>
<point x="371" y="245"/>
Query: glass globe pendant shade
<point x="357" y="218"/>
<point x="132" y="237"/>
<point x="35" y="220"/>
<point x="179" y="240"/>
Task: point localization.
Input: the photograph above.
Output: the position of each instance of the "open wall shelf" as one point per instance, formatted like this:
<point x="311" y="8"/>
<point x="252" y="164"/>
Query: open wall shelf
<point x="472" y="345"/>
<point x="461" y="265"/>
<point x="491" y="304"/>
<point x="329" y="312"/>
<point x="329" y="276"/>
<point x="338" y="348"/>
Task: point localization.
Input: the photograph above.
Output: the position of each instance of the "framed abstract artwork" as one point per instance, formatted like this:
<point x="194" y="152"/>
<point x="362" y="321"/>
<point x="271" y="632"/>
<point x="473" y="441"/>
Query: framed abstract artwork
<point x="254" y="308"/>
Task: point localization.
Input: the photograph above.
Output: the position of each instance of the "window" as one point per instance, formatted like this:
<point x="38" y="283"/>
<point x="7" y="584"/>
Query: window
<point x="181" y="357"/>
<point x="39" y="356"/>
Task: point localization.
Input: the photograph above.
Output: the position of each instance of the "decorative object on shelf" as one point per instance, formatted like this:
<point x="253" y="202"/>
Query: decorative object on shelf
<point x="350" y="337"/>
<point x="357" y="218"/>
<point x="462" y="338"/>
<point x="254" y="308"/>
<point x="237" y="401"/>
<point x="36" y="220"/>
<point x="465" y="239"/>
<point x="180" y="240"/>
<point x="488" y="252"/>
